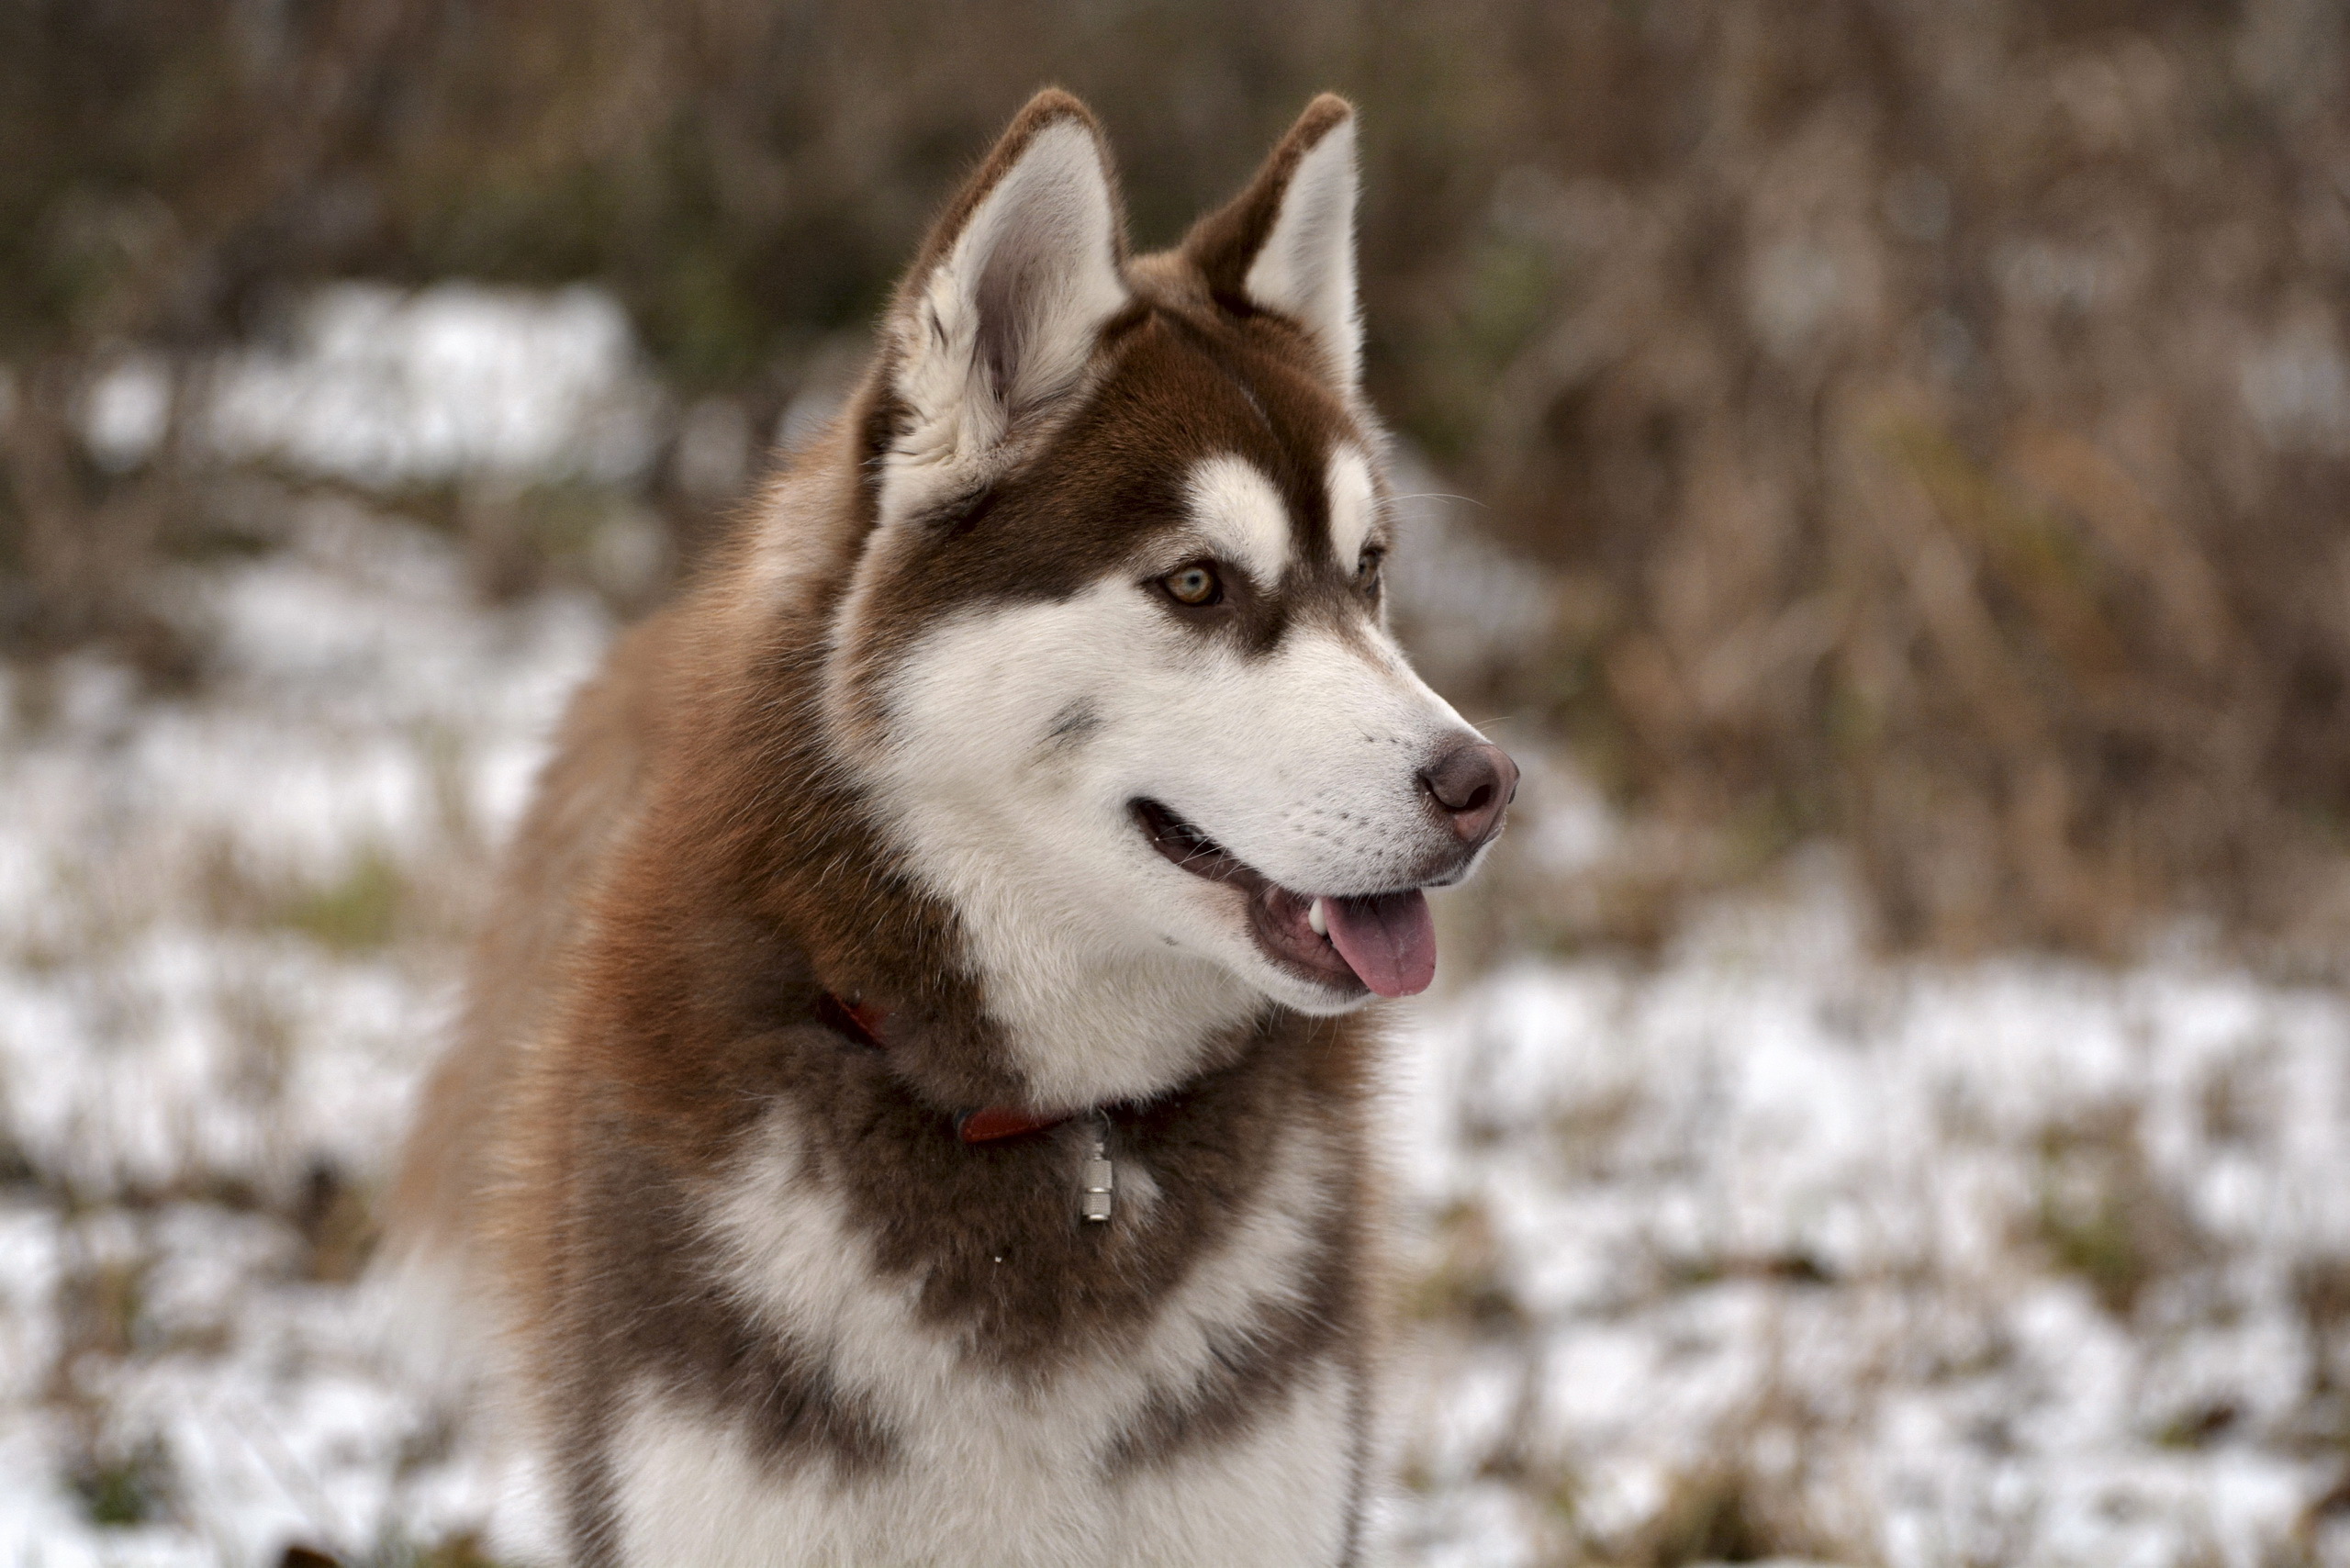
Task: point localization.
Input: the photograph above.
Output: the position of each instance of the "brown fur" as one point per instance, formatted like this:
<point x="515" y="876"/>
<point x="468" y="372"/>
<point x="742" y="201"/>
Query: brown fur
<point x="696" y="870"/>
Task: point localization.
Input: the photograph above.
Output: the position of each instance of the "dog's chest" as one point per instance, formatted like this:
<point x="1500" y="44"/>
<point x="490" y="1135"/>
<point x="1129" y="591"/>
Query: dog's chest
<point x="1134" y="1443"/>
<point x="1006" y="1478"/>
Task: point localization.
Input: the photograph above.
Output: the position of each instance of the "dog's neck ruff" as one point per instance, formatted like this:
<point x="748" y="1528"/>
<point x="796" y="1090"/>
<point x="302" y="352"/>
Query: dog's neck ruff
<point x="989" y="1124"/>
<point x="865" y="1023"/>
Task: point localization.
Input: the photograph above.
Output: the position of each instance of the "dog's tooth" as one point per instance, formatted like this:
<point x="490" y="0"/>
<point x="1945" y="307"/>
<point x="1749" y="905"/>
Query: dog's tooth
<point x="1318" y="918"/>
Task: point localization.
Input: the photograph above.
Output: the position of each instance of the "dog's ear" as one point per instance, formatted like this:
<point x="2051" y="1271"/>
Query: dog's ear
<point x="1287" y="244"/>
<point x="996" y="320"/>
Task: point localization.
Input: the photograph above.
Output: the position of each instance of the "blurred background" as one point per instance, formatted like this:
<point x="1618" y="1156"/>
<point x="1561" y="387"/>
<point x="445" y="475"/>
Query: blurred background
<point x="1881" y="464"/>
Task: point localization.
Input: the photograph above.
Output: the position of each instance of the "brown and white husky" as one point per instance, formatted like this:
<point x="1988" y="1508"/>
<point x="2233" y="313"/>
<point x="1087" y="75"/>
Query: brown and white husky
<point x="912" y="1107"/>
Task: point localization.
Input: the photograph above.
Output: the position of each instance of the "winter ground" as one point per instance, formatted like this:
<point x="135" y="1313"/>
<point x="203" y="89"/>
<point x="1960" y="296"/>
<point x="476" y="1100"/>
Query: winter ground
<point x="1753" y="1248"/>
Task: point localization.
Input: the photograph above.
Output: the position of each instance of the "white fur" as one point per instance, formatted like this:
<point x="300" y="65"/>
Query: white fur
<point x="1026" y="835"/>
<point x="992" y="1469"/>
<point x="1306" y="269"/>
<point x="1354" y="504"/>
<point x="1109" y="967"/>
<point x="1240" y="514"/>
<point x="1041" y="248"/>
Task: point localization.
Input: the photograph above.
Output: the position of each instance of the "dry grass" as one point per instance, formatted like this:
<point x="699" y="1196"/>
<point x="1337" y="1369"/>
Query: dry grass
<point x="2105" y="1214"/>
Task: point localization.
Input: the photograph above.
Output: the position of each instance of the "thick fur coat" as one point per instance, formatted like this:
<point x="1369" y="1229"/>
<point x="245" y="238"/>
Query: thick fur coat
<point x="1043" y="712"/>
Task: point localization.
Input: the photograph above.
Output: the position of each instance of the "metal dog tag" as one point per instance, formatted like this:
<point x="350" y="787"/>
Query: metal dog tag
<point x="1100" y="1180"/>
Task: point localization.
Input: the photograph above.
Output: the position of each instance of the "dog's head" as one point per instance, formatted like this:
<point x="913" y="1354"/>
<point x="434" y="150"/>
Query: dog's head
<point x="1115" y="657"/>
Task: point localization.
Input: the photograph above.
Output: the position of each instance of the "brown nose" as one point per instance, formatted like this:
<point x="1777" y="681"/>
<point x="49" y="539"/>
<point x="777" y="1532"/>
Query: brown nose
<point x="1472" y="786"/>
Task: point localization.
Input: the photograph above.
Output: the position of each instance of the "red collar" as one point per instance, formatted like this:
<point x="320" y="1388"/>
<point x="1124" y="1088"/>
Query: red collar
<point x="988" y="1124"/>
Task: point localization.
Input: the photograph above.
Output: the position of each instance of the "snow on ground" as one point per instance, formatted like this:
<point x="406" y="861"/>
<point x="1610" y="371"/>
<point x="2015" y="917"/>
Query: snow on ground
<point x="1755" y="1249"/>
<point x="1767" y="1248"/>
<point x="227" y="924"/>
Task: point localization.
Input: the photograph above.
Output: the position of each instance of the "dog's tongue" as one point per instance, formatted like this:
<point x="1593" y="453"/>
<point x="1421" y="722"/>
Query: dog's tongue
<point x="1389" y="941"/>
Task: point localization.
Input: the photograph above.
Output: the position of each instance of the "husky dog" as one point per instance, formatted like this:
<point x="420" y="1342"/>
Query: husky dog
<point x="911" y="1106"/>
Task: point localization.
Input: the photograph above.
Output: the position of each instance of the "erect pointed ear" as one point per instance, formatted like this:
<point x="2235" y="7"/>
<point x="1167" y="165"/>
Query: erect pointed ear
<point x="1287" y="244"/>
<point x="998" y="318"/>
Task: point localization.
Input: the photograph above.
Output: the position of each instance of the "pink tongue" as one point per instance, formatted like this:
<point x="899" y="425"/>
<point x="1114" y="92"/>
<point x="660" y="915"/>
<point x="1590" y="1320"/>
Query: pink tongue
<point x="1389" y="941"/>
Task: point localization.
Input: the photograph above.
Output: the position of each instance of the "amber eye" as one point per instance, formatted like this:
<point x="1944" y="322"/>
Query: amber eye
<point x="1196" y="586"/>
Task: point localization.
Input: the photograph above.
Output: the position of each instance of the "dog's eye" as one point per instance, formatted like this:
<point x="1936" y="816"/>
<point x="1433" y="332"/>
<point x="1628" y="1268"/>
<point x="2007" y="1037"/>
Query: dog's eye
<point x="1197" y="586"/>
<point x="1367" y="570"/>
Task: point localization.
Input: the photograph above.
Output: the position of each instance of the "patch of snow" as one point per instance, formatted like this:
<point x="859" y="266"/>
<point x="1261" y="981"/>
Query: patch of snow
<point x="387" y="387"/>
<point x="128" y="409"/>
<point x="1771" y="1186"/>
<point x="187" y="1047"/>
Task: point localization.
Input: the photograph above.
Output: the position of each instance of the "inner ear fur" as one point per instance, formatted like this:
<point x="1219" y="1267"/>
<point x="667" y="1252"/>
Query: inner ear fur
<point x="1286" y="243"/>
<point x="1000" y="313"/>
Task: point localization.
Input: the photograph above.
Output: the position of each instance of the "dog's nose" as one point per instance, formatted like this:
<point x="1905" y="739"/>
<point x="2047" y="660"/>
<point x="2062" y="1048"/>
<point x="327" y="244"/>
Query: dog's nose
<point x="1472" y="785"/>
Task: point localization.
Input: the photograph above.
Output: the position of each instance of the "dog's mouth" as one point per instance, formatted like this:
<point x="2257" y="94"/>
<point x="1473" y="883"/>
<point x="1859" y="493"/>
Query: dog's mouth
<point x="1379" y="942"/>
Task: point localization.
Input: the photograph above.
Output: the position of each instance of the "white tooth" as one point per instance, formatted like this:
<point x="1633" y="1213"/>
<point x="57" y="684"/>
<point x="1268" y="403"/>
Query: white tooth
<point x="1316" y="919"/>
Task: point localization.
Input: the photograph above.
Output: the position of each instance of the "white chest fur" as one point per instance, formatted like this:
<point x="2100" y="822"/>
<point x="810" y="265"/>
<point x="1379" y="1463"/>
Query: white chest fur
<point x="1016" y="1486"/>
<point x="988" y="1469"/>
